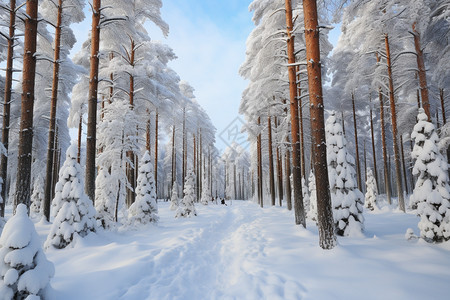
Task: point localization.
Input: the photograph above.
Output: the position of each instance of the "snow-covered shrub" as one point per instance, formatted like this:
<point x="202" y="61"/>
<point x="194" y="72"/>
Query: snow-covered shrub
<point x="305" y="193"/>
<point x="144" y="210"/>
<point x="174" y="197"/>
<point x="431" y="193"/>
<point x="206" y="193"/>
<point x="312" y="212"/>
<point x="38" y="195"/>
<point x="371" y="191"/>
<point x="346" y="198"/>
<point x="187" y="208"/>
<point x="105" y="199"/>
<point x="24" y="269"/>
<point x="73" y="210"/>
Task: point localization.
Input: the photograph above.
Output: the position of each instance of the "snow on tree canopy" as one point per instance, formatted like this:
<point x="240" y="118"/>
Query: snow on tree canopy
<point x="187" y="208"/>
<point x="73" y="210"/>
<point x="371" y="191"/>
<point x="431" y="195"/>
<point x="25" y="271"/>
<point x="144" y="210"/>
<point x="345" y="197"/>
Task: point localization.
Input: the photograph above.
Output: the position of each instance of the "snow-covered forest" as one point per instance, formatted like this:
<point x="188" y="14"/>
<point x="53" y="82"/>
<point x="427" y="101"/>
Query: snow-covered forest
<point x="112" y="185"/>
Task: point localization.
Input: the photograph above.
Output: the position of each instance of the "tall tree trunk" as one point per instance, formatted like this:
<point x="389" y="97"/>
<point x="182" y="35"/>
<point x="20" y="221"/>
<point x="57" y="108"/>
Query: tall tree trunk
<point x="92" y="102"/>
<point x="183" y="171"/>
<point x="398" y="174"/>
<point x="327" y="238"/>
<point x="234" y="181"/>
<point x="288" y="177"/>
<point x="299" y="210"/>
<point x="156" y="151"/>
<point x="52" y="123"/>
<point x="441" y="97"/>
<point x="365" y="163"/>
<point x="200" y="161"/>
<point x="147" y="134"/>
<point x="23" y="182"/>
<point x="300" y="120"/>
<point x="373" y="149"/>
<point x="387" y="185"/>
<point x="279" y="170"/>
<point x="404" y="164"/>
<point x="343" y="122"/>
<point x="80" y="132"/>
<point x="422" y="73"/>
<point x="260" y="181"/>
<point x="271" y="169"/>
<point x="358" y="165"/>
<point x="55" y="168"/>
<point x="173" y="158"/>
<point x="132" y="166"/>
<point x="7" y="104"/>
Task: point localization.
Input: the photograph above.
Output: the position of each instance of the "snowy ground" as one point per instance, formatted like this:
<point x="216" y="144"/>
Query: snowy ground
<point x="241" y="251"/>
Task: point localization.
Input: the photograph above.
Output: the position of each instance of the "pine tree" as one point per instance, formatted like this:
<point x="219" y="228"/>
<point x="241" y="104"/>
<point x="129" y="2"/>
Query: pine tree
<point x="25" y="271"/>
<point x="312" y="212"/>
<point x="431" y="193"/>
<point x="187" y="208"/>
<point x="37" y="197"/>
<point x="371" y="191"/>
<point x="345" y="196"/>
<point x="174" y="197"/>
<point x="73" y="210"/>
<point x="105" y="199"/>
<point x="144" y="210"/>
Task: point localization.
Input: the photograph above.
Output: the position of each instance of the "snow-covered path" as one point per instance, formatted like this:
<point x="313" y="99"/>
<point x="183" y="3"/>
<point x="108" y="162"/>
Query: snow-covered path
<point x="240" y="251"/>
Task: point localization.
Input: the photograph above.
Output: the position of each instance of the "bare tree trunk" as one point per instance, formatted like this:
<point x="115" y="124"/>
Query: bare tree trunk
<point x="404" y="164"/>
<point x="200" y="161"/>
<point x="387" y="185"/>
<point x="183" y="171"/>
<point x="365" y="163"/>
<point x="373" y="148"/>
<point x="441" y="97"/>
<point x="422" y="73"/>
<point x="54" y="171"/>
<point x="327" y="238"/>
<point x="23" y="182"/>
<point x="80" y="131"/>
<point x="92" y="102"/>
<point x="279" y="170"/>
<point x="358" y="166"/>
<point x="260" y="181"/>
<point x="7" y="104"/>
<point x="271" y="169"/>
<point x="288" y="177"/>
<point x="343" y="122"/>
<point x="300" y="119"/>
<point x="52" y="123"/>
<point x="132" y="166"/>
<point x="401" y="201"/>
<point x="147" y="134"/>
<point x="299" y="210"/>
<point x="234" y="181"/>
<point x="173" y="158"/>
<point x="156" y="150"/>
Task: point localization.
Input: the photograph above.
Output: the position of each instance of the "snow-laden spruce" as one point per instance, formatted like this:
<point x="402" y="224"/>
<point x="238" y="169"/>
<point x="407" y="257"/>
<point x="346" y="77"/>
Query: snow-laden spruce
<point x="371" y="191"/>
<point x="174" y="197"/>
<point x="105" y="200"/>
<point x="206" y="192"/>
<point x="25" y="271"/>
<point x="73" y="210"/>
<point x="312" y="212"/>
<point x="187" y="208"/>
<point x="431" y="193"/>
<point x="37" y="197"/>
<point x="144" y="210"/>
<point x="346" y="198"/>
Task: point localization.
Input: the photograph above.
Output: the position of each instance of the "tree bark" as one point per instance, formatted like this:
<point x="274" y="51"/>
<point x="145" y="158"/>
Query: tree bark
<point x="327" y="238"/>
<point x="401" y="201"/>
<point x="23" y="187"/>
<point x="441" y="97"/>
<point x="404" y="164"/>
<point x="422" y="73"/>
<point x="300" y="120"/>
<point x="7" y="104"/>
<point x="260" y="181"/>
<point x="279" y="170"/>
<point x="173" y="158"/>
<point x="131" y="166"/>
<point x="373" y="148"/>
<point x="387" y="185"/>
<point x="91" y="138"/>
<point x="80" y="132"/>
<point x="288" y="177"/>
<point x="358" y="165"/>
<point x="271" y="169"/>
<point x="52" y="123"/>
<point x="299" y="210"/>
<point x="183" y="171"/>
<point x="156" y="151"/>
<point x="147" y="134"/>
